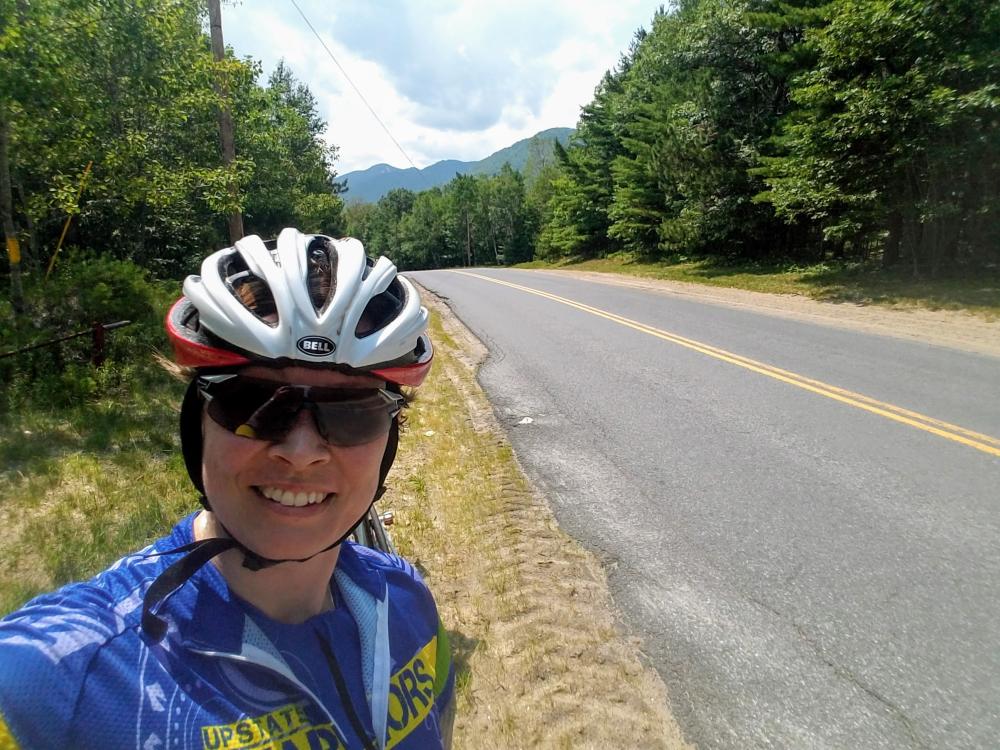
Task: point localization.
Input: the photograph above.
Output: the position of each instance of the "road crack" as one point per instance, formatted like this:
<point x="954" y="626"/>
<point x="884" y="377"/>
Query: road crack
<point x="844" y="673"/>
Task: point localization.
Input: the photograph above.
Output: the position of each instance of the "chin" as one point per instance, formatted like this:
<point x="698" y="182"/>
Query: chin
<point x="293" y="550"/>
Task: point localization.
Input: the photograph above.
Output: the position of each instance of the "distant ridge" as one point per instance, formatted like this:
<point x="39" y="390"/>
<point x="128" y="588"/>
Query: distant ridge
<point x="368" y="185"/>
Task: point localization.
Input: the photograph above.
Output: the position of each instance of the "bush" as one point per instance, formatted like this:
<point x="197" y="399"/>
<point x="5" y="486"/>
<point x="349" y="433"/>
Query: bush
<point x="86" y="289"/>
<point x="90" y="288"/>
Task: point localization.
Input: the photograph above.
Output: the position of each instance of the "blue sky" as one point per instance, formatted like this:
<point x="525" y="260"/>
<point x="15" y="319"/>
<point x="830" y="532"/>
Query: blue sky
<point x="455" y="80"/>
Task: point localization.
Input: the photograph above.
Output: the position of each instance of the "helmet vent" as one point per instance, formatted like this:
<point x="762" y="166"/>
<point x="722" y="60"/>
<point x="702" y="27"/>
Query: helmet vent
<point x="321" y="272"/>
<point x="381" y="310"/>
<point x="191" y="319"/>
<point x="252" y="291"/>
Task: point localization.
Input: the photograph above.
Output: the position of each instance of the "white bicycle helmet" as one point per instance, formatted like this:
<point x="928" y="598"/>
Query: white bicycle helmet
<point x="305" y="298"/>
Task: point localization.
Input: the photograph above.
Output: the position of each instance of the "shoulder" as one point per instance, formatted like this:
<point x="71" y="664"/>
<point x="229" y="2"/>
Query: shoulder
<point x="410" y="603"/>
<point x="45" y="652"/>
<point x="69" y="619"/>
<point x="50" y="646"/>
<point x="421" y="687"/>
<point x="421" y="652"/>
<point x="374" y="566"/>
<point x="389" y="564"/>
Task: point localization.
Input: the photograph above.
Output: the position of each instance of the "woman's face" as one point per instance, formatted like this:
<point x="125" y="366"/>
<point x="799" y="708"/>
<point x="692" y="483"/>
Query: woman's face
<point x="252" y="485"/>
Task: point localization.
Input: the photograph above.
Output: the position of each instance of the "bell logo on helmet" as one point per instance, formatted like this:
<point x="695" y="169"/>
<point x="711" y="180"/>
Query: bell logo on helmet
<point x="315" y="346"/>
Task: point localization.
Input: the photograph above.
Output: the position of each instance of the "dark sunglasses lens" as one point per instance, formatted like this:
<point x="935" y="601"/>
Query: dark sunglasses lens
<point x="231" y="402"/>
<point x="275" y="417"/>
<point x="356" y="422"/>
<point x="252" y="408"/>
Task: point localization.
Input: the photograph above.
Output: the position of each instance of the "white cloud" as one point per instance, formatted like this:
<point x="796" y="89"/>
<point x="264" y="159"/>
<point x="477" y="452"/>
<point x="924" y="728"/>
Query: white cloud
<point x="455" y="80"/>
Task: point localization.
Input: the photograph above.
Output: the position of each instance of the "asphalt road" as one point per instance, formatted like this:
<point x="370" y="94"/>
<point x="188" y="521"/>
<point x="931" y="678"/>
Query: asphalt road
<point x="805" y="568"/>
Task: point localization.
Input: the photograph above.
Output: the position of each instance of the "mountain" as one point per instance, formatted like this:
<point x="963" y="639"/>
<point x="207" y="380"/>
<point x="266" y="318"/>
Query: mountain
<point x="368" y="185"/>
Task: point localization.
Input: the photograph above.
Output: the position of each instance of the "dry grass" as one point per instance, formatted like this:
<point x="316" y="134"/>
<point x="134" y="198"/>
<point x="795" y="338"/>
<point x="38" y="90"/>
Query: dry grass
<point x="541" y="661"/>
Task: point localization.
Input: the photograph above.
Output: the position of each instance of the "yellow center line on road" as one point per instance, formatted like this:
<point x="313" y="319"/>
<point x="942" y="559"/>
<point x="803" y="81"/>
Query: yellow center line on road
<point x="979" y="441"/>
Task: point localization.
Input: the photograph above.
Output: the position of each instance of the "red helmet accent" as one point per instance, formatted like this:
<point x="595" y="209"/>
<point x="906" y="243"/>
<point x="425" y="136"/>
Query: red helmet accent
<point x="193" y="354"/>
<point x="411" y="375"/>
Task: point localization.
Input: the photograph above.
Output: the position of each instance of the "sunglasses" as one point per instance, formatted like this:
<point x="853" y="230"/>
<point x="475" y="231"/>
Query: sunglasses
<point x="267" y="409"/>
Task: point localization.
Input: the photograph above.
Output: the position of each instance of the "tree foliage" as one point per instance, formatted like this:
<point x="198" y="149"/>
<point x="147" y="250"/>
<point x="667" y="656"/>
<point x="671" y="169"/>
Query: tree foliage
<point x="792" y="128"/>
<point x="473" y="220"/>
<point x="129" y="86"/>
<point x="896" y="133"/>
<point x="799" y="129"/>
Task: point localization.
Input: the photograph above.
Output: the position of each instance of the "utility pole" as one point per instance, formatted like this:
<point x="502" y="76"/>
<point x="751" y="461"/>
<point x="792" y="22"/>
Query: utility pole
<point x="225" y="117"/>
<point x="468" y="241"/>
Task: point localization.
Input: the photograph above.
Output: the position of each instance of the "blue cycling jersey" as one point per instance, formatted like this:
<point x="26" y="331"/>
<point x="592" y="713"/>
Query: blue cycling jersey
<point x="76" y="669"/>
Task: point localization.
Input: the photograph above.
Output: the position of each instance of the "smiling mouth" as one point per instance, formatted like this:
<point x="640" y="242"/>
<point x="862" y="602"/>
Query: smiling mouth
<point x="293" y="499"/>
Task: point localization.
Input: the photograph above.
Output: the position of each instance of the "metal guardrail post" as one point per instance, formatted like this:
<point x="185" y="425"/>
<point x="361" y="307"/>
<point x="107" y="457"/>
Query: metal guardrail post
<point x="97" y="355"/>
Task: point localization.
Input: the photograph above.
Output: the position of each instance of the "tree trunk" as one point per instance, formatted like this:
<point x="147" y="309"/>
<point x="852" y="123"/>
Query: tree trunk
<point x="493" y="236"/>
<point x="7" y="216"/>
<point x="235" y="219"/>
<point x="29" y="223"/>
<point x="916" y="242"/>
<point x="952" y="238"/>
<point x="890" y="255"/>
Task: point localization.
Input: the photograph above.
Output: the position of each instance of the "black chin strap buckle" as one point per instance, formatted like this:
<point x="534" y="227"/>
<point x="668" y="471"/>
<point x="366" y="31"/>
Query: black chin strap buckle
<point x="253" y="561"/>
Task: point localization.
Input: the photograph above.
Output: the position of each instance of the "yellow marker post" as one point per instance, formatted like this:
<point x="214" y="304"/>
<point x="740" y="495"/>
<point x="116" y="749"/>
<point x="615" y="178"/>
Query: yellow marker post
<point x="13" y="250"/>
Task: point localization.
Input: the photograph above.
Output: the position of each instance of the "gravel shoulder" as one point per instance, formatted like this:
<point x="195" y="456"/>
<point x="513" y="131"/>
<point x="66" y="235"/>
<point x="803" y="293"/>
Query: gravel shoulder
<point x="948" y="328"/>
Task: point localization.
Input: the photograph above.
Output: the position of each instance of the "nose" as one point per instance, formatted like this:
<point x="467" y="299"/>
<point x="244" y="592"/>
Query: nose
<point x="303" y="446"/>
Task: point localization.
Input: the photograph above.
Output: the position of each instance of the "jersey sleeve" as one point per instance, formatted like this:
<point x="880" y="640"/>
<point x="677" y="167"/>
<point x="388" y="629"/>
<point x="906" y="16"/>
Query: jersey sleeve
<point x="7" y="741"/>
<point x="444" y="667"/>
<point x="422" y="685"/>
<point x="45" y="649"/>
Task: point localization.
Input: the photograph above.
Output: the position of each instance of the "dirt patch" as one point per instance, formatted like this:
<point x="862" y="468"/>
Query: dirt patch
<point x="949" y="328"/>
<point x="542" y="659"/>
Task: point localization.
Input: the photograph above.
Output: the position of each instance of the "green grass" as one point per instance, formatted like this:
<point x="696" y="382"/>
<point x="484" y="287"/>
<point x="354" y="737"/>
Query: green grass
<point x="978" y="294"/>
<point x="82" y="485"/>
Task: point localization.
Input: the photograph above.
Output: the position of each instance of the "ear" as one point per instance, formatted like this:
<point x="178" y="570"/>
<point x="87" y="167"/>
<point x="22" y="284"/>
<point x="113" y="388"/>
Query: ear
<point x="193" y="435"/>
<point x="389" y="456"/>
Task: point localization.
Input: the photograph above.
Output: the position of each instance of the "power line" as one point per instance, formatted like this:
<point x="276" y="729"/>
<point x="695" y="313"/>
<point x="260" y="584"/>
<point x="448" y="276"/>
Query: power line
<point x="356" y="89"/>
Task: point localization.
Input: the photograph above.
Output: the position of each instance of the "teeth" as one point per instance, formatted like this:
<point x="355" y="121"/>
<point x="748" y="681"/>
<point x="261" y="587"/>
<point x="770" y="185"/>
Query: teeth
<point x="292" y="499"/>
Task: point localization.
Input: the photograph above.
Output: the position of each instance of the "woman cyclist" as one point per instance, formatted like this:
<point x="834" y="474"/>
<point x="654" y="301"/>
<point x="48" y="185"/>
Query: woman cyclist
<point x="254" y="624"/>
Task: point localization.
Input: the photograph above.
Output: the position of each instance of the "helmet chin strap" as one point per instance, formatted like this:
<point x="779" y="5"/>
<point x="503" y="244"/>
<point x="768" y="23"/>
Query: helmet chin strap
<point x="198" y="554"/>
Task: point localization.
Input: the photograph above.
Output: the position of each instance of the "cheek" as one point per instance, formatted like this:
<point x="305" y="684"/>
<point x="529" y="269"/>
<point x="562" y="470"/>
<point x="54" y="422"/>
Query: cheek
<point x="363" y="461"/>
<point x="223" y="456"/>
<point x="210" y="470"/>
